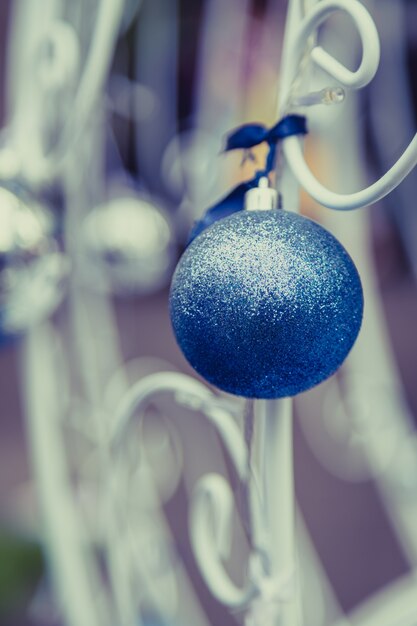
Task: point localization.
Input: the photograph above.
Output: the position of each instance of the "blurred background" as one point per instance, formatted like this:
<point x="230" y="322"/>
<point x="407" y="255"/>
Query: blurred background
<point x="95" y="211"/>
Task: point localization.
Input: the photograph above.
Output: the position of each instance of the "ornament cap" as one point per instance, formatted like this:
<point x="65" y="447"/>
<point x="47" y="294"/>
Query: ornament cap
<point x="261" y="198"/>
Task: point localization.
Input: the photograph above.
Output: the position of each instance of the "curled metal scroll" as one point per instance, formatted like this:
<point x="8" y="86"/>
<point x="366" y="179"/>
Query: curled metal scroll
<point x="211" y="508"/>
<point x="368" y="66"/>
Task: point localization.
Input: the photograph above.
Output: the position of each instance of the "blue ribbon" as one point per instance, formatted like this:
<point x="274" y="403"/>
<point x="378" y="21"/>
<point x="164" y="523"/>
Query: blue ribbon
<point x="246" y="137"/>
<point x="250" y="135"/>
<point x="230" y="204"/>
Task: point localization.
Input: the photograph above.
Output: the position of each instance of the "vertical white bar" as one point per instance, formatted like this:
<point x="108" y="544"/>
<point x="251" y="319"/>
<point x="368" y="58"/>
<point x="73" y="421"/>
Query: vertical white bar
<point x="276" y="459"/>
<point x="66" y="542"/>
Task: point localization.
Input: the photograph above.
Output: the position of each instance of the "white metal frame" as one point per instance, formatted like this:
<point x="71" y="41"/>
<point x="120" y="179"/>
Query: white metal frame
<point x="272" y="590"/>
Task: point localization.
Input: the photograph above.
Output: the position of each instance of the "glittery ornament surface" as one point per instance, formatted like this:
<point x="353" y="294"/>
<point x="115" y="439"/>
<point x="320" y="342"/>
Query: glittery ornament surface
<point x="266" y="304"/>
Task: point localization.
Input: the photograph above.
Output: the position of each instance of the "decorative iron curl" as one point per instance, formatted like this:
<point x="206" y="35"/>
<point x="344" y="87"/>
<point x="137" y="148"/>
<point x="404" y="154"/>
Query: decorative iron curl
<point x="211" y="508"/>
<point x="292" y="146"/>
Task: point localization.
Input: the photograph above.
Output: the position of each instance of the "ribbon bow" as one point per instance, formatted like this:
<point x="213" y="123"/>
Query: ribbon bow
<point x="246" y="137"/>
<point x="250" y="135"/>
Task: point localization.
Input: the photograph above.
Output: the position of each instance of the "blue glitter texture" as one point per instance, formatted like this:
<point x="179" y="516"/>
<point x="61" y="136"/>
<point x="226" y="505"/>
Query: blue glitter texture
<point x="266" y="304"/>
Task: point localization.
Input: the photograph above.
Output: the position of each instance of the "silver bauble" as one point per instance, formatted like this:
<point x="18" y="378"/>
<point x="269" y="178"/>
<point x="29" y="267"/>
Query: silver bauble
<point x="32" y="268"/>
<point x="127" y="246"/>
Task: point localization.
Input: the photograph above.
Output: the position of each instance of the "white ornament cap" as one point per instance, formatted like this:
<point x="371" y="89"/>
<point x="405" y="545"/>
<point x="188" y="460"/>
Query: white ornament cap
<point x="261" y="198"/>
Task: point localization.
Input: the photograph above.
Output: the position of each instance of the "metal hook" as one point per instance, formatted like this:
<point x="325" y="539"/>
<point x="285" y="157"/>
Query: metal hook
<point x="292" y="147"/>
<point x="367" y="32"/>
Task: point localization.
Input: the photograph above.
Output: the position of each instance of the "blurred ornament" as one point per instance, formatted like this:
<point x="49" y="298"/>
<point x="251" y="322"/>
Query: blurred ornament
<point x="266" y="304"/>
<point x="32" y="268"/>
<point x="128" y="246"/>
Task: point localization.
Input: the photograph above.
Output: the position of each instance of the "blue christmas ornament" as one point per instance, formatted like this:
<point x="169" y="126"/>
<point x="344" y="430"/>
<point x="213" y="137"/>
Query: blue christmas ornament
<point x="266" y="304"/>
